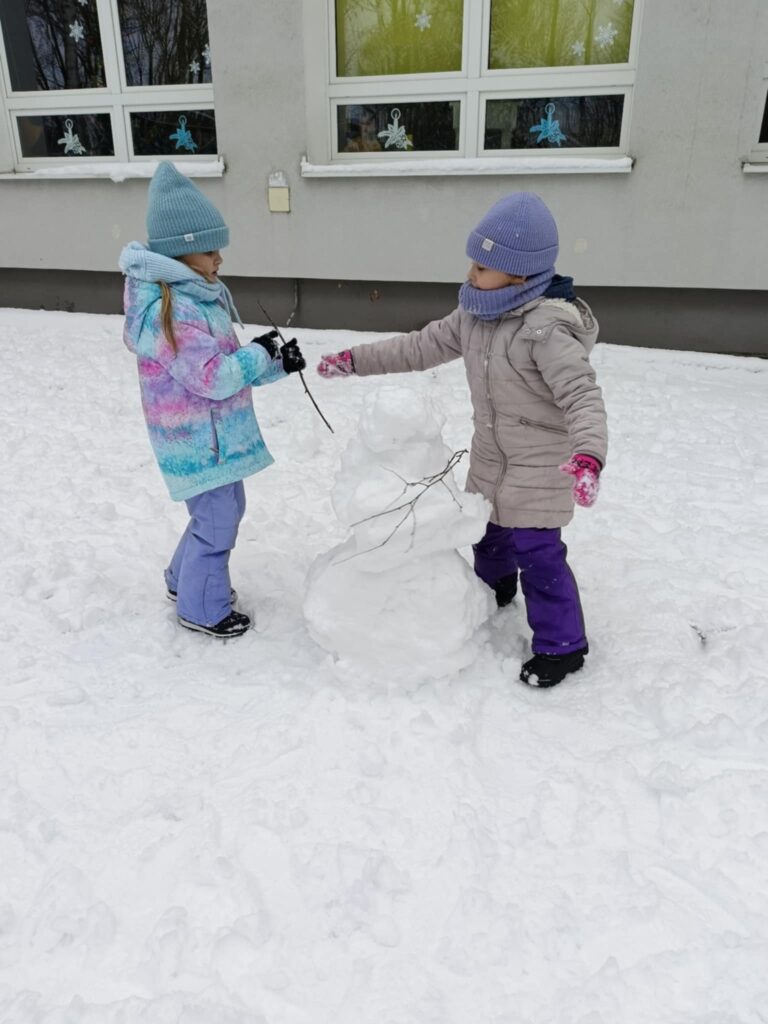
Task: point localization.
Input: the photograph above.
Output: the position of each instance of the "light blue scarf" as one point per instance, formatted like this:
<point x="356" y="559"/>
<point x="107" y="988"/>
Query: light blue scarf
<point x="490" y="305"/>
<point x="139" y="262"/>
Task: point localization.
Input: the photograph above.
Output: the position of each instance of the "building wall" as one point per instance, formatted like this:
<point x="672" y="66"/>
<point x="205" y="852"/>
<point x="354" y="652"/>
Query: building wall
<point x="686" y="217"/>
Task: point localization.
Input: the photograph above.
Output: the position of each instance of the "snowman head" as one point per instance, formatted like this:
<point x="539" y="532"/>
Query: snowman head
<point x="395" y="416"/>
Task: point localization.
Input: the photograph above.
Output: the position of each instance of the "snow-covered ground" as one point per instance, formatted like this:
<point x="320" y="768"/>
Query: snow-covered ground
<point x="198" y="833"/>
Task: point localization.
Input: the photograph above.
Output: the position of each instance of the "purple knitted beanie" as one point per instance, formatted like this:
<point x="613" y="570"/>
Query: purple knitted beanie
<point x="518" y="236"/>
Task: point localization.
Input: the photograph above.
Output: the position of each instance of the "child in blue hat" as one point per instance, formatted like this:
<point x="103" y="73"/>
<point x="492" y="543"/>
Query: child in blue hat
<point x="195" y="382"/>
<point x="540" y="435"/>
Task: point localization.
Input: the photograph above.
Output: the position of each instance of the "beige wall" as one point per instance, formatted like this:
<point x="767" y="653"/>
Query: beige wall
<point x="687" y="216"/>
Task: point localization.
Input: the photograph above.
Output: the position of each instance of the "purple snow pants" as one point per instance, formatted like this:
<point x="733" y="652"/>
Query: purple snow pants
<point x="551" y="595"/>
<point x="199" y="569"/>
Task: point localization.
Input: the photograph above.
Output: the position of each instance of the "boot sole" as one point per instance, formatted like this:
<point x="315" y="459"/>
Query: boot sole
<point x="197" y="628"/>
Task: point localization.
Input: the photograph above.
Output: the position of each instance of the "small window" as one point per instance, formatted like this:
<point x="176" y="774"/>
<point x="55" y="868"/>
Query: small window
<point x="562" y="122"/>
<point x="472" y="77"/>
<point x="61" y="135"/>
<point x="173" y="132"/>
<point x="411" y="127"/>
<point x="114" y="79"/>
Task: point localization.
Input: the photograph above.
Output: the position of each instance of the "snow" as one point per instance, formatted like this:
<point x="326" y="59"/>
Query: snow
<point x="195" y="832"/>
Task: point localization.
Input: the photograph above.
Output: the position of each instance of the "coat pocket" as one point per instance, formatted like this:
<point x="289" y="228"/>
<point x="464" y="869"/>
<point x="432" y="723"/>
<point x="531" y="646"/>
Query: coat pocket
<point x="215" y="442"/>
<point x="543" y="426"/>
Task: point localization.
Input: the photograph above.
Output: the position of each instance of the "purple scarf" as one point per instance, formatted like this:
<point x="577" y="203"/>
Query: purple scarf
<point x="490" y="305"/>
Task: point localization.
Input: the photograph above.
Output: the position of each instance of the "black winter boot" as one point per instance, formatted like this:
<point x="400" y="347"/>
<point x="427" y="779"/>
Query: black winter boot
<point x="505" y="589"/>
<point x="551" y="669"/>
<point x="235" y="624"/>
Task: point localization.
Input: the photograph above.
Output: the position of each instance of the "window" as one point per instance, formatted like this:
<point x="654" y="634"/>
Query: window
<point x="115" y="80"/>
<point x="471" y="78"/>
<point x="759" y="152"/>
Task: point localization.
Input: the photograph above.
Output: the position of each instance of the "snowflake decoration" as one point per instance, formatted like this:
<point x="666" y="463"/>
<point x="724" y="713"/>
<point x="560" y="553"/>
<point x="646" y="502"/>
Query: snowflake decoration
<point x="70" y="141"/>
<point x="207" y="54"/>
<point x="183" y="137"/>
<point x="395" y="133"/>
<point x="606" y="35"/>
<point x="76" y="31"/>
<point x="423" y="21"/>
<point x="578" y="49"/>
<point x="194" y="67"/>
<point x="549" y="129"/>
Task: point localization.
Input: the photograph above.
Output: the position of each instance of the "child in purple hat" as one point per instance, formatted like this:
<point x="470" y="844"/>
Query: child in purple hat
<point x="540" y="436"/>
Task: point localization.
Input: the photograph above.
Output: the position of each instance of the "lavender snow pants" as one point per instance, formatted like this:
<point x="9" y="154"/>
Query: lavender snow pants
<point x="199" y="569"/>
<point x="551" y="595"/>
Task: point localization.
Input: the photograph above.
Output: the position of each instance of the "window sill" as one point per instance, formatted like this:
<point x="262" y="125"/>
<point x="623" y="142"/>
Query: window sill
<point x="116" y="171"/>
<point x="749" y="168"/>
<point x="463" y="166"/>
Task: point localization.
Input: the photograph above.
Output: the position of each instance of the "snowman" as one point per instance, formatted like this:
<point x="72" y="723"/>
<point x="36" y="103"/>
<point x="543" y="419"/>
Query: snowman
<point x="397" y="595"/>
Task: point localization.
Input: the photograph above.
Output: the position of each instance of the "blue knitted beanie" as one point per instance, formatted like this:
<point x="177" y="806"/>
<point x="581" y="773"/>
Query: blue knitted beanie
<point x="180" y="219"/>
<point x="518" y="236"/>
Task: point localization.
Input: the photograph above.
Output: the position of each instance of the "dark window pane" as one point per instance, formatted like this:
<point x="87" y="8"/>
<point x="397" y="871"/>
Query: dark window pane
<point x="401" y="127"/>
<point x="398" y="37"/>
<point x="764" y="128"/>
<point x="165" y="42"/>
<point x="173" y="132"/>
<point x="52" y="45"/>
<point x="557" y="33"/>
<point x="66" y="135"/>
<point x="545" y="123"/>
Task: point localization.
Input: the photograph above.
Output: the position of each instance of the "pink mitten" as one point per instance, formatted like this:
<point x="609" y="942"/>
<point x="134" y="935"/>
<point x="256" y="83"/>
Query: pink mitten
<point x="586" y="472"/>
<point x="336" y="364"/>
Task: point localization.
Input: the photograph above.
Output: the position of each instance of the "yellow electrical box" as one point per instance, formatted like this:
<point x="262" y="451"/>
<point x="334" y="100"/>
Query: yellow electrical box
<point x="279" y="199"/>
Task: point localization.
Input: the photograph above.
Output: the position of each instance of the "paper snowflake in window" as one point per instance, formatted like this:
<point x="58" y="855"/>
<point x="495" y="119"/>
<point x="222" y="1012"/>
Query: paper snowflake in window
<point x="606" y="35"/>
<point x="76" y="31"/>
<point x="395" y="133"/>
<point x="183" y="137"/>
<point x="207" y="54"/>
<point x="423" y="21"/>
<point x="194" y="68"/>
<point x="70" y="141"/>
<point x="549" y="129"/>
<point x="578" y="49"/>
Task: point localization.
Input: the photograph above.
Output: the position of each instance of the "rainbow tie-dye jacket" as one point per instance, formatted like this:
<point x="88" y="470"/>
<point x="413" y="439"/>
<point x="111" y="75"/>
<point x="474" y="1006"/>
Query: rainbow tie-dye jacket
<point x="197" y="399"/>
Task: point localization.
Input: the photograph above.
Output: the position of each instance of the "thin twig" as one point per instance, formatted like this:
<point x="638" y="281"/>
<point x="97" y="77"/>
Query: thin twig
<point x="409" y="506"/>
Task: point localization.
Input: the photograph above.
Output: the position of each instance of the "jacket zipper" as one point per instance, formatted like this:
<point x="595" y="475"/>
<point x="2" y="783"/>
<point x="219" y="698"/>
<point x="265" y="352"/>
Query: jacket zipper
<point x="543" y="426"/>
<point x="492" y="424"/>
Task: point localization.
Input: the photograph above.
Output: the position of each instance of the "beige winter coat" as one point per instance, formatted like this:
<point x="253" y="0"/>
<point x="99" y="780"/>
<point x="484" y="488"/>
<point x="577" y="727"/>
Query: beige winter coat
<point x="534" y="396"/>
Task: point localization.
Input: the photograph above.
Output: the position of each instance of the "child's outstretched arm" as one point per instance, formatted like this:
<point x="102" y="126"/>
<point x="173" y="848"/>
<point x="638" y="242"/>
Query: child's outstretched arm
<point x="437" y="343"/>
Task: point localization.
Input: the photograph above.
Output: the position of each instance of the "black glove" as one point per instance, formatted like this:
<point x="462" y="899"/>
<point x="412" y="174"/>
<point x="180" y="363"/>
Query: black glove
<point x="293" y="360"/>
<point x="267" y="341"/>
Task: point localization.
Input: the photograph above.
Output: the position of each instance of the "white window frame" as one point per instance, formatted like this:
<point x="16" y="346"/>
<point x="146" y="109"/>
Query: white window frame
<point x="474" y="84"/>
<point x="117" y="98"/>
<point x="759" y="151"/>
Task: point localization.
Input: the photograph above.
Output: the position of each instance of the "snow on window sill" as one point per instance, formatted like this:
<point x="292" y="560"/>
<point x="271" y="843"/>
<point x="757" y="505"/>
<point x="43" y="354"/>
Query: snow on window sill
<point x="117" y="171"/>
<point x="749" y="168"/>
<point x="466" y="166"/>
